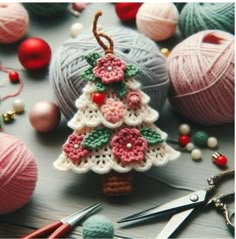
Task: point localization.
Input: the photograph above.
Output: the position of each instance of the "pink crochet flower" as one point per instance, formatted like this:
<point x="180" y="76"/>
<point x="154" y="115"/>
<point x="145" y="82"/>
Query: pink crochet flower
<point x="134" y="100"/>
<point x="113" y="111"/>
<point x="110" y="69"/>
<point x="128" y="146"/>
<point x="73" y="148"/>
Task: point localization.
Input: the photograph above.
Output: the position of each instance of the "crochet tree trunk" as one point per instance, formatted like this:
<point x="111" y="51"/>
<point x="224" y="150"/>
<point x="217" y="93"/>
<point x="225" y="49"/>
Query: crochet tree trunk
<point x="114" y="128"/>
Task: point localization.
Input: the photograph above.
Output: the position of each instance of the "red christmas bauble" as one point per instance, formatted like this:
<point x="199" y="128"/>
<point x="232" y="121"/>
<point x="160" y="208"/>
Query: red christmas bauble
<point x="221" y="161"/>
<point x="13" y="76"/>
<point x="126" y="11"/>
<point x="184" y="140"/>
<point x="98" y="98"/>
<point x="34" y="53"/>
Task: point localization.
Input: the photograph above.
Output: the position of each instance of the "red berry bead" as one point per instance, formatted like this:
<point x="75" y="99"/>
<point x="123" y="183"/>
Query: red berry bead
<point x="184" y="140"/>
<point x="14" y="77"/>
<point x="219" y="159"/>
<point x="98" y="98"/>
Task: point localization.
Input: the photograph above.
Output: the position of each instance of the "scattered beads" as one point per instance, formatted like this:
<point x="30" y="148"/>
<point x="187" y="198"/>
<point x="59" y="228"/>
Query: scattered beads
<point x="18" y="106"/>
<point x="184" y="140"/>
<point x="8" y="117"/>
<point x="14" y="77"/>
<point x="189" y="147"/>
<point x="219" y="159"/>
<point x="184" y="129"/>
<point x="76" y="29"/>
<point x="196" y="154"/>
<point x="165" y="52"/>
<point x="200" y="139"/>
<point x="212" y="142"/>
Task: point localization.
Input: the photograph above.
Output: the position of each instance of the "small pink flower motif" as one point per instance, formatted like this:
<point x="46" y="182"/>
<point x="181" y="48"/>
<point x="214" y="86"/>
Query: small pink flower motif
<point x="134" y="100"/>
<point x="74" y="149"/>
<point x="112" y="110"/>
<point x="129" y="146"/>
<point x="110" y="69"/>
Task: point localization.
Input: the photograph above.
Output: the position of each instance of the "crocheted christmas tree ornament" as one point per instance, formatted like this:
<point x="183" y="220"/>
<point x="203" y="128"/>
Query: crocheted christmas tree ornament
<point x="114" y="128"/>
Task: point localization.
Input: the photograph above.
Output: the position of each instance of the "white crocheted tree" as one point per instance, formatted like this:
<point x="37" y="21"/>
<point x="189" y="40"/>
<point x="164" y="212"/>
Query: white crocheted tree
<point x="114" y="128"/>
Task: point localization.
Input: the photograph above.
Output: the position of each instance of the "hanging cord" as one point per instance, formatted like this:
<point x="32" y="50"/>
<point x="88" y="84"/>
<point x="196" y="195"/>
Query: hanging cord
<point x="99" y="35"/>
<point x="2" y="68"/>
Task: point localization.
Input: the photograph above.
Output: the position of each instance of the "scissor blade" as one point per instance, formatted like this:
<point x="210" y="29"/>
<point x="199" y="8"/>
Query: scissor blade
<point x="186" y="202"/>
<point x="174" y="223"/>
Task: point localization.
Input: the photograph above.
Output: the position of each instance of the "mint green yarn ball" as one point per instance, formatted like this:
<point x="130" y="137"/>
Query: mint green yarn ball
<point x="98" y="226"/>
<point x="197" y="17"/>
<point x="200" y="139"/>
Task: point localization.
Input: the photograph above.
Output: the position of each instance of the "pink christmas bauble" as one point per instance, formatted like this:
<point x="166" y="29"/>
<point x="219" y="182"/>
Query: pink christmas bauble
<point x="44" y="116"/>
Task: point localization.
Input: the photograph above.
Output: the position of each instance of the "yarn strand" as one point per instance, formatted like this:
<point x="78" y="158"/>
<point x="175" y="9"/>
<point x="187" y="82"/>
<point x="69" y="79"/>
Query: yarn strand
<point x="4" y="69"/>
<point x="99" y="35"/>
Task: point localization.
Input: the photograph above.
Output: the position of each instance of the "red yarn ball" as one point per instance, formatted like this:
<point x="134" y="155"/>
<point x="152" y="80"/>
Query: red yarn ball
<point x="126" y="11"/>
<point x="34" y="53"/>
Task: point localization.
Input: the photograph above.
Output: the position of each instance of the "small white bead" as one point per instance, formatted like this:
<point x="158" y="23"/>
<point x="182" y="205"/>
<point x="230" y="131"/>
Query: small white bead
<point x="129" y="145"/>
<point x="184" y="129"/>
<point x="18" y="106"/>
<point x="76" y="29"/>
<point x="109" y="68"/>
<point x="196" y="154"/>
<point x="189" y="147"/>
<point x="76" y="146"/>
<point x="212" y="142"/>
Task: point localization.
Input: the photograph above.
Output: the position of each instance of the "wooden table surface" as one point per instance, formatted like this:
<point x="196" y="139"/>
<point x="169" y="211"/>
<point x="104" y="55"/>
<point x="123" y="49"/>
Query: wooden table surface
<point x="58" y="194"/>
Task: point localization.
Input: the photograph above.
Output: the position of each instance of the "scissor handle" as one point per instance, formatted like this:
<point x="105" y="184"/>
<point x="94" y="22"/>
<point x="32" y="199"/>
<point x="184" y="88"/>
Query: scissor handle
<point x="61" y="231"/>
<point x="222" y="206"/>
<point x="212" y="181"/>
<point x="43" y="230"/>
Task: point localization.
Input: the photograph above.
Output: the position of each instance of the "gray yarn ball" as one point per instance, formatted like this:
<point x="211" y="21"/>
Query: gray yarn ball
<point x="131" y="46"/>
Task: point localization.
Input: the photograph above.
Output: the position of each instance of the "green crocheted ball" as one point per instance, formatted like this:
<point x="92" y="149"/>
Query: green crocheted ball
<point x="200" y="139"/>
<point x="98" y="226"/>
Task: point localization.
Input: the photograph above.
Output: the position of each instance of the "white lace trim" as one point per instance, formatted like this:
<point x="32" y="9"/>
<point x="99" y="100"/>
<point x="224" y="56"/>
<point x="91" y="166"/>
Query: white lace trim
<point x="102" y="160"/>
<point x="89" y="114"/>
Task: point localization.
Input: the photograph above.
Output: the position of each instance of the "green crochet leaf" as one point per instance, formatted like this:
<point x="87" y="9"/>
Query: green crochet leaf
<point x="100" y="87"/>
<point x="88" y="75"/>
<point x="131" y="70"/>
<point x="120" y="88"/>
<point x="97" y="138"/>
<point x="91" y="58"/>
<point x="151" y="136"/>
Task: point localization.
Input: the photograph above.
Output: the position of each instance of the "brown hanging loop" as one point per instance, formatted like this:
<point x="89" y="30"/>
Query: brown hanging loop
<point x="99" y="35"/>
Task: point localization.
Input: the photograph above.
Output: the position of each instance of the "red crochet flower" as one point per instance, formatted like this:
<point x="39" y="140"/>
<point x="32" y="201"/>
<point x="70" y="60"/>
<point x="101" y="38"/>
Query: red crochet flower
<point x="128" y="146"/>
<point x="110" y="69"/>
<point x="73" y="148"/>
<point x="134" y="100"/>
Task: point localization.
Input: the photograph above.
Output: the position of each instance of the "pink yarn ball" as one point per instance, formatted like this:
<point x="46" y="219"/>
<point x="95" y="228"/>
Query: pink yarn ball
<point x="18" y="173"/>
<point x="14" y="21"/>
<point x="201" y="70"/>
<point x="157" y="20"/>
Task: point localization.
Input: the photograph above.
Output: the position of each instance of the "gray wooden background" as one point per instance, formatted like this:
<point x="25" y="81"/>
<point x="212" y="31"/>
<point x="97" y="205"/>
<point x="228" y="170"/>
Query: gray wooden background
<point x="58" y="194"/>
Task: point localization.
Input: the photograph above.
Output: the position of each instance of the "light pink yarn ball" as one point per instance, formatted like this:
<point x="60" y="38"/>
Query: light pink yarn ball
<point x="18" y="173"/>
<point x="201" y="70"/>
<point x="14" y="21"/>
<point x="157" y="21"/>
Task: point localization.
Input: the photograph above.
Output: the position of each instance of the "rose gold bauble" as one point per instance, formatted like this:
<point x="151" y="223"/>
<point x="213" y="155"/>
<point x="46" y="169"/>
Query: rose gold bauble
<point x="44" y="116"/>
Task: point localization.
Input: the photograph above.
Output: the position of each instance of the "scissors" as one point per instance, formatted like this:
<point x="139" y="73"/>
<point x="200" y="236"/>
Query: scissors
<point x="62" y="226"/>
<point x="184" y="206"/>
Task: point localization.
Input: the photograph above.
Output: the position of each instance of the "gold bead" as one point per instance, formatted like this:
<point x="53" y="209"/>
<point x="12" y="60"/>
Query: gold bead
<point x="165" y="52"/>
<point x="8" y="116"/>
